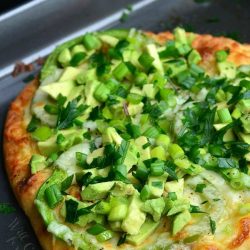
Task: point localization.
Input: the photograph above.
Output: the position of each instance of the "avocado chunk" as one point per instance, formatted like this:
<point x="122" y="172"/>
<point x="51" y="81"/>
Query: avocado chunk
<point x="246" y="123"/>
<point x="135" y="217"/>
<point x="111" y="136"/>
<point x="119" y="208"/>
<point x="227" y="69"/>
<point x="180" y="221"/>
<point x="176" y="206"/>
<point x="144" y="152"/>
<point x="175" y="186"/>
<point x="244" y="106"/>
<point x="146" y="230"/>
<point x="97" y="191"/>
<point x="156" y="185"/>
<point x="244" y="137"/>
<point x="90" y="88"/>
<point x="122" y="189"/>
<point x="56" y="88"/>
<point x="37" y="163"/>
<point x="131" y="156"/>
<point x="69" y="73"/>
<point x="155" y="207"/>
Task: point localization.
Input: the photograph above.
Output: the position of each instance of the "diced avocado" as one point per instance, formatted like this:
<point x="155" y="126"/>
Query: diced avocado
<point x="156" y="185"/>
<point x="176" y="206"/>
<point x="146" y="230"/>
<point x="64" y="57"/>
<point x="135" y="217"/>
<point x="115" y="226"/>
<point x="96" y="153"/>
<point x="229" y="135"/>
<point x="67" y="160"/>
<point x="149" y="90"/>
<point x="119" y="208"/>
<point x="159" y="153"/>
<point x="37" y="163"/>
<point x="180" y="221"/>
<point x="244" y="106"/>
<point x="188" y="167"/>
<point x="152" y="50"/>
<point x="122" y="189"/>
<point x="97" y="191"/>
<point x="134" y="109"/>
<point x="69" y="73"/>
<point x="227" y="69"/>
<point x="244" y="137"/>
<point x="77" y="48"/>
<point x="163" y="140"/>
<point x="131" y="156"/>
<point x="102" y="208"/>
<point x="175" y="186"/>
<point x="111" y="135"/>
<point x="236" y="114"/>
<point x="56" y="88"/>
<point x="155" y="207"/>
<point x="246" y="123"/>
<point x="109" y="40"/>
<point x="90" y="87"/>
<point x="144" y="152"/>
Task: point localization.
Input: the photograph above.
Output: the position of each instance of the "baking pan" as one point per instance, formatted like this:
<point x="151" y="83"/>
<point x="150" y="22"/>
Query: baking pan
<point x="220" y="17"/>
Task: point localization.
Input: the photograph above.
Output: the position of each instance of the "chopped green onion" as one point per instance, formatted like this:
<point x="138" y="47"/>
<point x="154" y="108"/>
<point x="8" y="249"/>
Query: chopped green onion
<point x="91" y="42"/>
<point x="121" y="71"/>
<point x="51" y="109"/>
<point x="104" y="236"/>
<point x="141" y="78"/>
<point x="175" y="151"/>
<point x="157" y="168"/>
<point x="134" y="98"/>
<point x="66" y="183"/>
<point x="221" y="55"/>
<point x="81" y="159"/>
<point x="141" y="173"/>
<point x="151" y="132"/>
<point x="53" y="195"/>
<point x="96" y="229"/>
<point x="145" y="193"/>
<point x="42" y="133"/>
<point x="77" y="59"/>
<point x="52" y="158"/>
<point x="146" y="60"/>
<point x="71" y="211"/>
<point x="33" y="124"/>
<point x="102" y="92"/>
<point x="194" y="57"/>
<point x="133" y="130"/>
<point x="212" y="225"/>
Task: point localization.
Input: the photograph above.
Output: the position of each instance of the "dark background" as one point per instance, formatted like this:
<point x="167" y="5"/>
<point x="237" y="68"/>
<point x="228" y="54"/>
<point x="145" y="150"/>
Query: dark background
<point x="36" y="28"/>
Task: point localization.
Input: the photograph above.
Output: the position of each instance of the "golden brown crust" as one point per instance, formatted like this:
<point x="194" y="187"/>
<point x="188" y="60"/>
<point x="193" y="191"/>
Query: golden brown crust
<point x="19" y="147"/>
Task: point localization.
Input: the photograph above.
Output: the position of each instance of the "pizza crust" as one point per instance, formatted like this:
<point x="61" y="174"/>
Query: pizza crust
<point x="19" y="147"/>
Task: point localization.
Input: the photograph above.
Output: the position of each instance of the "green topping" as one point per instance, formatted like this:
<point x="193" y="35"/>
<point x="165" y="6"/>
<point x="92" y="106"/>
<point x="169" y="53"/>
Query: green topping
<point x="53" y="195"/>
<point x="138" y="134"/>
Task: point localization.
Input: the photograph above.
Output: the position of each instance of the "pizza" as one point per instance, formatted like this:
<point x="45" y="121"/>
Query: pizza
<point x="134" y="140"/>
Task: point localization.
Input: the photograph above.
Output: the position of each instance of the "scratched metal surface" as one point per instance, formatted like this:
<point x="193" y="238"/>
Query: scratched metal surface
<point x="217" y="17"/>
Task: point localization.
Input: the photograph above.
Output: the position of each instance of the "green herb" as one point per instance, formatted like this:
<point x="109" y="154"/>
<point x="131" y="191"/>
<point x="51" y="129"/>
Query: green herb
<point x="33" y="124"/>
<point x="122" y="239"/>
<point x="66" y="115"/>
<point x="96" y="229"/>
<point x="199" y="187"/>
<point x="227" y="163"/>
<point x="66" y="183"/>
<point x="71" y="211"/>
<point x="212" y="225"/>
<point x="6" y="208"/>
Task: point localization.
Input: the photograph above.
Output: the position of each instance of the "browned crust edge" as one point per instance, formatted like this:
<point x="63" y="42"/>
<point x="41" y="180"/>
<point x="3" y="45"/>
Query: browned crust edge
<point x="19" y="147"/>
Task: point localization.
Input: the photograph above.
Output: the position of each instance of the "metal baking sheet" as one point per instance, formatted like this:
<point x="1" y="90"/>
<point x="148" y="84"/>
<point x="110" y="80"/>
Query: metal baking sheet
<point x="221" y="17"/>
